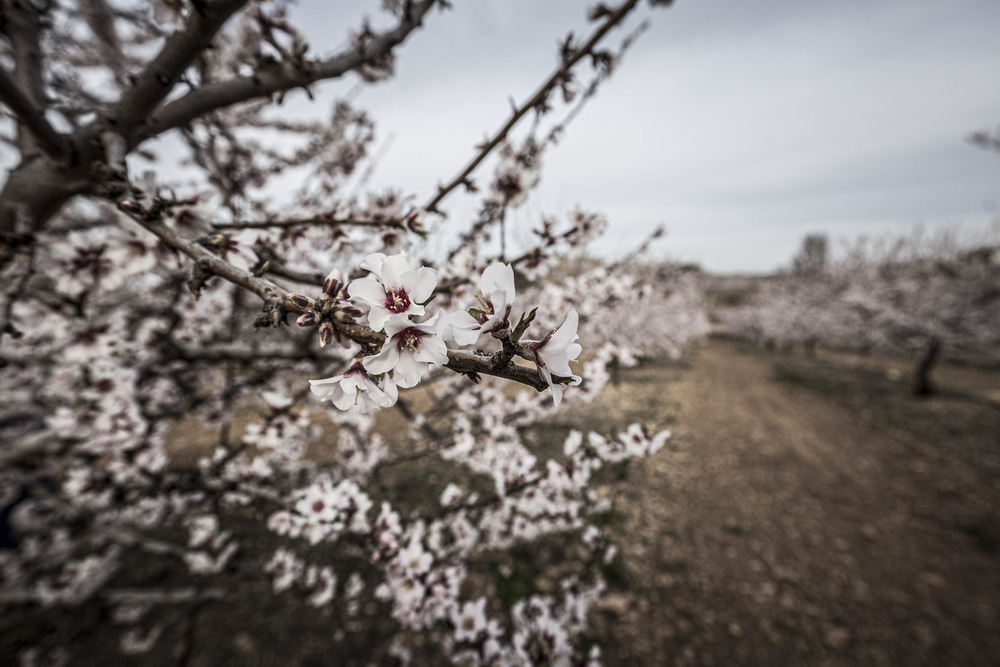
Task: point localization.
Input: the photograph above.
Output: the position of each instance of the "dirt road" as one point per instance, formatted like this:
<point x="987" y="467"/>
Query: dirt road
<point x="791" y="527"/>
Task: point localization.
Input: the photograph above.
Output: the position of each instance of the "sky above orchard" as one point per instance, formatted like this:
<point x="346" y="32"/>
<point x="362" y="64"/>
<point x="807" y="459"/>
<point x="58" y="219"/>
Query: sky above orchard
<point x="740" y="126"/>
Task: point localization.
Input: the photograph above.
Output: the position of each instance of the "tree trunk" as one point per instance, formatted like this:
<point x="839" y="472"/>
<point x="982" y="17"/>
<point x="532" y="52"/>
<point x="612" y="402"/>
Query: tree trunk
<point x="34" y="192"/>
<point x="616" y="371"/>
<point x="922" y="386"/>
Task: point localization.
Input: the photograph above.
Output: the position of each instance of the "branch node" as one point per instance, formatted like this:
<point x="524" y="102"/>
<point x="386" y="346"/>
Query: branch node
<point x="200" y="273"/>
<point x="273" y="315"/>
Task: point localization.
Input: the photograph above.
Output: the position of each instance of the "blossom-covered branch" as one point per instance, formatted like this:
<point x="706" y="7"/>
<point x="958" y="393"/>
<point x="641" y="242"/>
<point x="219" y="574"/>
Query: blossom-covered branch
<point x="147" y="423"/>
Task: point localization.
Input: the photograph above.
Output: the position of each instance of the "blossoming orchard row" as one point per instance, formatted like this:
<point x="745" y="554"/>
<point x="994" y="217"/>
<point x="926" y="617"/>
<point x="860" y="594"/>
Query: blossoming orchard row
<point x="165" y="466"/>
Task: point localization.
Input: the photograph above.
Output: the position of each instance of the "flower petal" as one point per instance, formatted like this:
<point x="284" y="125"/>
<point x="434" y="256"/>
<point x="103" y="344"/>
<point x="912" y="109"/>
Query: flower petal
<point x="432" y="351"/>
<point x="367" y="289"/>
<point x="420" y="284"/>
<point x="498" y="277"/>
<point x="460" y="327"/>
<point x="384" y="361"/>
<point x="408" y="370"/>
<point x="393" y="269"/>
<point x="373" y="262"/>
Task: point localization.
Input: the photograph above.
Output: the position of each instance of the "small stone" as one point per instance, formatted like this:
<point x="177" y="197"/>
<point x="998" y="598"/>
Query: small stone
<point x="615" y="604"/>
<point x="836" y="637"/>
<point x="245" y="644"/>
<point x="931" y="580"/>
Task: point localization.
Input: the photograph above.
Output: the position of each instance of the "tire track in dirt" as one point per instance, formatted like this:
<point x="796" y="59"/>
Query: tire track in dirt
<point x="782" y="528"/>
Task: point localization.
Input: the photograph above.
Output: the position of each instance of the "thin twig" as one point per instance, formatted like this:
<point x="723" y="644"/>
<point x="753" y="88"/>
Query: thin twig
<point x="539" y="97"/>
<point x="307" y="222"/>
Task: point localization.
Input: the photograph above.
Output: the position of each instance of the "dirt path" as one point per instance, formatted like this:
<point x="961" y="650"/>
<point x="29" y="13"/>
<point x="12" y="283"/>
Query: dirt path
<point x="788" y="528"/>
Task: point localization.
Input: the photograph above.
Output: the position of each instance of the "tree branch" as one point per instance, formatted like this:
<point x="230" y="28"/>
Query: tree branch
<point x="459" y="361"/>
<point x="207" y="264"/>
<point x="538" y="98"/>
<point x="156" y="81"/>
<point x="31" y="117"/>
<point x="396" y="223"/>
<point x="275" y="78"/>
<point x="25" y="91"/>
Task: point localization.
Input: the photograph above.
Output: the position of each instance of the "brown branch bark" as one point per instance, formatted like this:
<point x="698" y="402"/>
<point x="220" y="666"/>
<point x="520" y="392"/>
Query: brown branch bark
<point x="308" y="222"/>
<point x="31" y="117"/>
<point x="155" y="82"/>
<point x="276" y="78"/>
<point x="23" y="28"/>
<point x="207" y="263"/>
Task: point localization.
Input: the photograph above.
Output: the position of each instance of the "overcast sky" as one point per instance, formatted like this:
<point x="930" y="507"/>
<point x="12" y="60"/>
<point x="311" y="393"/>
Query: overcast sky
<point x="742" y="126"/>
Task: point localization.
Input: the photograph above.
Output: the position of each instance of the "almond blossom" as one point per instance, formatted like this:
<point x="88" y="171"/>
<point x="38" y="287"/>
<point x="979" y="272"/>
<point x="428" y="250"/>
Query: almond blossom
<point x="496" y="294"/>
<point x="356" y="389"/>
<point x="470" y="621"/>
<point x="398" y="290"/>
<point x="408" y="351"/>
<point x="554" y="352"/>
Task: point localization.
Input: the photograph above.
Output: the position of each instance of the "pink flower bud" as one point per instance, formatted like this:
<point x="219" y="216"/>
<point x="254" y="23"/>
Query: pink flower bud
<point x="350" y="312"/>
<point x="302" y="302"/>
<point x="307" y="319"/>
<point x="332" y="283"/>
<point x="325" y="333"/>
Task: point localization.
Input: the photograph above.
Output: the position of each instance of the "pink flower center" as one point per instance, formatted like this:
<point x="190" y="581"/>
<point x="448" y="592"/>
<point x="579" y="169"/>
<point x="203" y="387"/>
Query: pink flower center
<point x="409" y="339"/>
<point x="397" y="300"/>
<point x="483" y="314"/>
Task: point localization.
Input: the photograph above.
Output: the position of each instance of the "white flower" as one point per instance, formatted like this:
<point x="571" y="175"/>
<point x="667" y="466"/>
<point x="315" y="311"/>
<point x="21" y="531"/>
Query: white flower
<point x="554" y="352"/>
<point x="166" y="12"/>
<point x="356" y="389"/>
<point x="496" y="293"/>
<point x="408" y="351"/>
<point x="470" y="621"/>
<point x="451" y="495"/>
<point x="414" y="559"/>
<point x="326" y="587"/>
<point x="397" y="290"/>
<point x="286" y="568"/>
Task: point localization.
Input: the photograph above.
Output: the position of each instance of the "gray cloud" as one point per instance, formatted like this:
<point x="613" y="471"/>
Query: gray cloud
<point x="741" y="125"/>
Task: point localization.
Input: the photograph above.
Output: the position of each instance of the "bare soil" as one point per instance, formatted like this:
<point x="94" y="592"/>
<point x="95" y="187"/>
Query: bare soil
<point x="808" y="512"/>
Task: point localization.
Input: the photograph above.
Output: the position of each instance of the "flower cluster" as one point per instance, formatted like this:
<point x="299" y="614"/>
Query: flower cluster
<point x="145" y="419"/>
<point x="393" y="299"/>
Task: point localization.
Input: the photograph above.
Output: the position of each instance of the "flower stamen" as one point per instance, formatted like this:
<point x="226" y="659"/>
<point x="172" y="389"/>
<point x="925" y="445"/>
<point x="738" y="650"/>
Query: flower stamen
<point x="397" y="300"/>
<point x="409" y="339"/>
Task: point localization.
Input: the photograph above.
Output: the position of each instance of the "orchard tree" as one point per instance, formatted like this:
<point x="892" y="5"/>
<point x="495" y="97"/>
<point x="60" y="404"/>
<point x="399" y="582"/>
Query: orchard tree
<point x="812" y="256"/>
<point x="928" y="298"/>
<point x="182" y="357"/>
